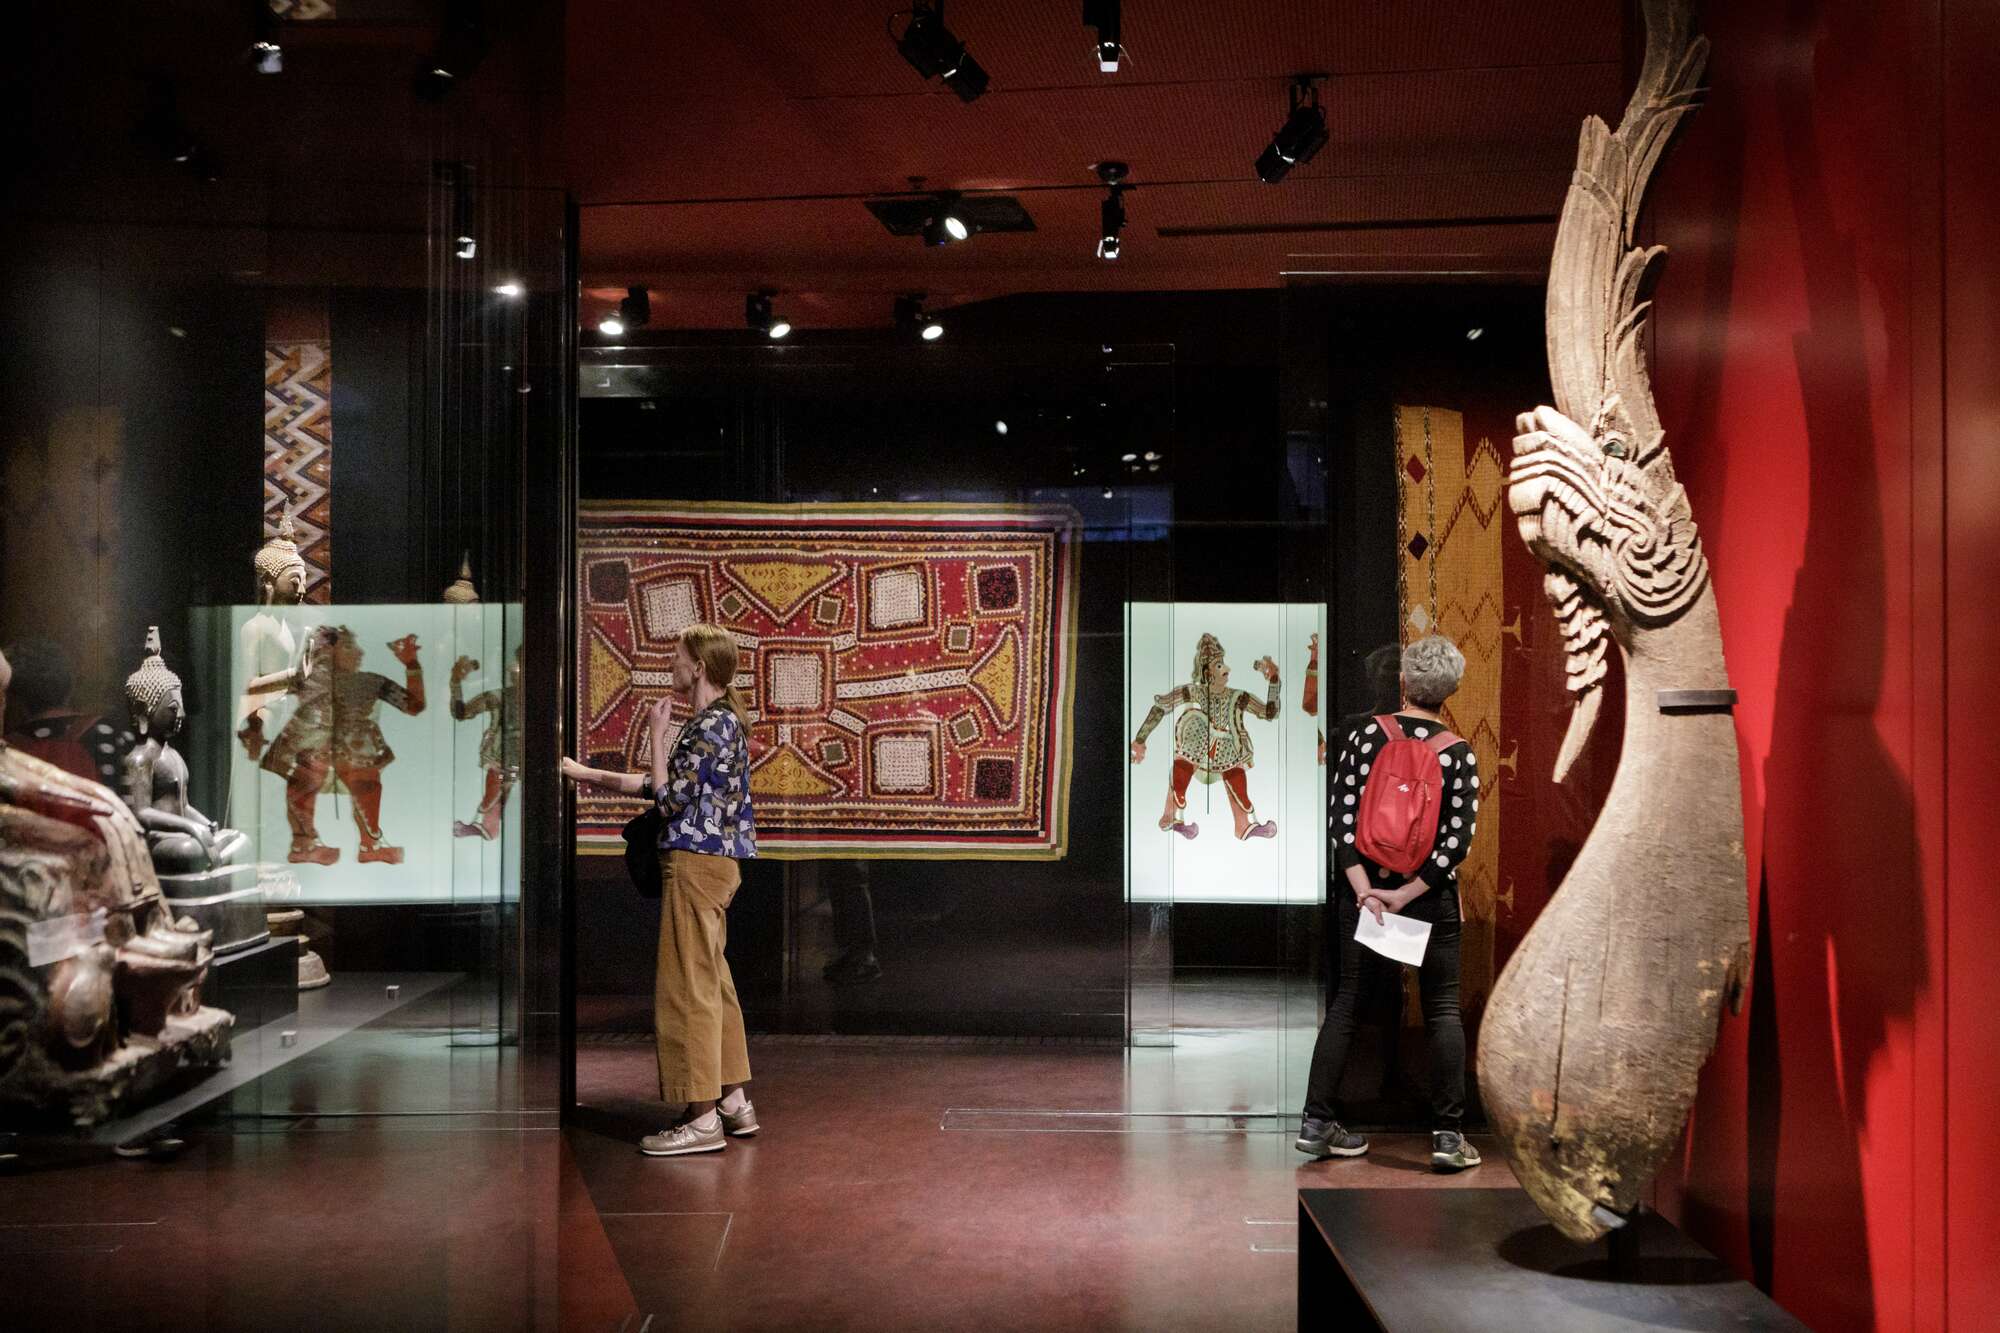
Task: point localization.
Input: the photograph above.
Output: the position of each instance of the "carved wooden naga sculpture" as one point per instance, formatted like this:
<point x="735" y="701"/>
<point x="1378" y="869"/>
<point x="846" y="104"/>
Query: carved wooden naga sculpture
<point x="1598" y="1027"/>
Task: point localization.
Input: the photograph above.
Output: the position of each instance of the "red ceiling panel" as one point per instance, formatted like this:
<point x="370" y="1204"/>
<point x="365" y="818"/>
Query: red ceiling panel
<point x="751" y="133"/>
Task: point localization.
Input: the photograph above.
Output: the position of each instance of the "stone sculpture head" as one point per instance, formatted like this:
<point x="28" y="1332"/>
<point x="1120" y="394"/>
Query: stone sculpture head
<point x="153" y="693"/>
<point x="461" y="591"/>
<point x="1210" y="670"/>
<point x="281" y="570"/>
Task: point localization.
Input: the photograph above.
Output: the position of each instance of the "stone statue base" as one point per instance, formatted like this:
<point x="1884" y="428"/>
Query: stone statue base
<point x="130" y="1076"/>
<point x="312" y="968"/>
<point x="225" y="901"/>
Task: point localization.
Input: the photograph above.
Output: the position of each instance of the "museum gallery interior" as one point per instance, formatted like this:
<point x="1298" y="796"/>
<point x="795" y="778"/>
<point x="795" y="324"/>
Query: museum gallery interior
<point x="1041" y="664"/>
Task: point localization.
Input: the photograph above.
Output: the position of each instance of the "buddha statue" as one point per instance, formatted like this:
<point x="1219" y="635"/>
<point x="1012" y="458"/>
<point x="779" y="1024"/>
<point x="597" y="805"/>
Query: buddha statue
<point x="100" y="981"/>
<point x="269" y="646"/>
<point x="183" y="840"/>
<point x="266" y="642"/>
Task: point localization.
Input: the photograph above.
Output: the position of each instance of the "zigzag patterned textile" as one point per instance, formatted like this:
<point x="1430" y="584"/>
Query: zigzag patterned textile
<point x="908" y="668"/>
<point x="298" y="452"/>
<point x="1452" y="508"/>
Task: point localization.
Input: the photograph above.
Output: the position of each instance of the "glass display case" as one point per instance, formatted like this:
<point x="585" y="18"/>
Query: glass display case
<point x="301" y="438"/>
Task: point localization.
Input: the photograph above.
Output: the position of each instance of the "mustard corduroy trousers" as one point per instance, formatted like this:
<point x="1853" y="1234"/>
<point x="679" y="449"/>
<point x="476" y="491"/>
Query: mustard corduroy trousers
<point x="696" y="1020"/>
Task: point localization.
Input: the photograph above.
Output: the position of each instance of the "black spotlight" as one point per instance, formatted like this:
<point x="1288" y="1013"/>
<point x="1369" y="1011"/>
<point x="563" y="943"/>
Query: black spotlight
<point x="462" y="43"/>
<point x="636" y="310"/>
<point x="267" y="48"/>
<point x="947" y="223"/>
<point x="1301" y="136"/>
<point x="456" y="177"/>
<point x="934" y="53"/>
<point x="1103" y="16"/>
<point x="1111" y="213"/>
<point x="911" y="321"/>
<point x="757" y="314"/>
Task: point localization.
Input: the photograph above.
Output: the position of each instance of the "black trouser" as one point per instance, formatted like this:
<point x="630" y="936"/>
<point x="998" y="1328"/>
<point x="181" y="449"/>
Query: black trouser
<point x="1361" y="971"/>
<point x="853" y="909"/>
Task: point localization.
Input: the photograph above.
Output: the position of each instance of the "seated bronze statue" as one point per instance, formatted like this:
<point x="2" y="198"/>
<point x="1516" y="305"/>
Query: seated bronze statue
<point x="182" y="839"/>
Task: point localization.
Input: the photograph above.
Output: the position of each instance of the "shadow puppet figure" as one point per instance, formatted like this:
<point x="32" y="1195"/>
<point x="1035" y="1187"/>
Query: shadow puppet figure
<point x="333" y="733"/>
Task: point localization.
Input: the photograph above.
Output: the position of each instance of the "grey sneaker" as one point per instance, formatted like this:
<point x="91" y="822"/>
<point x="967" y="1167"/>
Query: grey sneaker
<point x="739" y="1124"/>
<point x="683" y="1139"/>
<point x="1325" y="1138"/>
<point x="1451" y="1152"/>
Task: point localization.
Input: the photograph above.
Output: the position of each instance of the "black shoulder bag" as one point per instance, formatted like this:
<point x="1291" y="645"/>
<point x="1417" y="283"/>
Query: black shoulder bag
<point x="642" y="851"/>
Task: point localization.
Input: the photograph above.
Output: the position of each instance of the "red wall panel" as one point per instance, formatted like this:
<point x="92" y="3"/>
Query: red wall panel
<point x="1826" y="366"/>
<point x="1970" y="58"/>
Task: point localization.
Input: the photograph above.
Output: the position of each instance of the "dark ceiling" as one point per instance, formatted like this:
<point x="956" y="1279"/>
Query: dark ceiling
<point x="719" y="147"/>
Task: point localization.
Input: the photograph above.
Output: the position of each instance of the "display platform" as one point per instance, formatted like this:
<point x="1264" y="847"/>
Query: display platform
<point x="352" y="1000"/>
<point x="1479" y="1258"/>
<point x="259" y="985"/>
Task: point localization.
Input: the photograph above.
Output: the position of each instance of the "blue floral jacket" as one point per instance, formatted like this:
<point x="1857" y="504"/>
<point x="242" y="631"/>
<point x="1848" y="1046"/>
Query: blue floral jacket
<point x="706" y="800"/>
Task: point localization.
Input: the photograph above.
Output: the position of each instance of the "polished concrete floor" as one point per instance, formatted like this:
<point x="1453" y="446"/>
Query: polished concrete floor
<point x="897" y="1184"/>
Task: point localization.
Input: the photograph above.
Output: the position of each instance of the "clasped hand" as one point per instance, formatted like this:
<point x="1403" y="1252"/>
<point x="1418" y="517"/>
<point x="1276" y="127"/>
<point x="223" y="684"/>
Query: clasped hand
<point x="1378" y="901"/>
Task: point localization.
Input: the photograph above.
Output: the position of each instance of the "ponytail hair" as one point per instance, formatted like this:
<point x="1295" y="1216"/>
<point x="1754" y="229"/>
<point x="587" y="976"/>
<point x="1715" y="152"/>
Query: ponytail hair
<point x="715" y="649"/>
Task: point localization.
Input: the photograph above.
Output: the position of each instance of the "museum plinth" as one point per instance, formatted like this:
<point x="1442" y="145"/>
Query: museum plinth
<point x="1479" y="1258"/>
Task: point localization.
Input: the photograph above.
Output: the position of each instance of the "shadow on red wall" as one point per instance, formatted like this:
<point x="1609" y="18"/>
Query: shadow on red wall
<point x="1821" y="1193"/>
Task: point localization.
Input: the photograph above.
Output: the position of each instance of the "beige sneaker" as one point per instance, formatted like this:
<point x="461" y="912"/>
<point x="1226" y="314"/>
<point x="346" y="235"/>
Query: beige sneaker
<point x="1451" y="1151"/>
<point x="683" y="1139"/>
<point x="738" y="1124"/>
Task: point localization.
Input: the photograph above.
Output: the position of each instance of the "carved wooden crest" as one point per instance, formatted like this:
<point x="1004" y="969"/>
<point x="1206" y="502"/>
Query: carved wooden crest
<point x="1598" y="1027"/>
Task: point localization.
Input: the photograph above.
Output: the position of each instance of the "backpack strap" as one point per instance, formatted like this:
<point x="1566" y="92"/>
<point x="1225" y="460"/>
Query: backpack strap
<point x="1438" y="741"/>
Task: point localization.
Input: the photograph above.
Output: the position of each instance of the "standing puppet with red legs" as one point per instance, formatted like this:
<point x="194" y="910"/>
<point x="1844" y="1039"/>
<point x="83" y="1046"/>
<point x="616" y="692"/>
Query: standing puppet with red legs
<point x="1210" y="739"/>
<point x="334" y="733"/>
<point x="499" y="745"/>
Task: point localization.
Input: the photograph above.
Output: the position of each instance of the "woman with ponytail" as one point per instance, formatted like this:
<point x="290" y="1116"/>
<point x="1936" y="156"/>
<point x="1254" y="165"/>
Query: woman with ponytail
<point x="701" y="782"/>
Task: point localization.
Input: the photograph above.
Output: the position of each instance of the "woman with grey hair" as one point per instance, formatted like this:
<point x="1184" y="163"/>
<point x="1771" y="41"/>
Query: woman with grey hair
<point x="1432" y="668"/>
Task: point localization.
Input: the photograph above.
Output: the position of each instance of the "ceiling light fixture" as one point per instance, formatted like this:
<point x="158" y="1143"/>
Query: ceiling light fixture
<point x="1301" y="136"/>
<point x="610" y="326"/>
<point x="1104" y="17"/>
<point x="462" y="43"/>
<point x="1473" y="334"/>
<point x="758" y="316"/>
<point x="913" y="323"/>
<point x="946" y="225"/>
<point x="509" y="289"/>
<point x="1111" y="213"/>
<point x="455" y="178"/>
<point x="945" y="217"/>
<point x="267" y="50"/>
<point x="935" y="53"/>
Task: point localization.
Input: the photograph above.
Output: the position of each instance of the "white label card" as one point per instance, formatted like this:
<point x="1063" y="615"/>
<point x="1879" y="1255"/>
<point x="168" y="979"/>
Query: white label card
<point x="1399" y="937"/>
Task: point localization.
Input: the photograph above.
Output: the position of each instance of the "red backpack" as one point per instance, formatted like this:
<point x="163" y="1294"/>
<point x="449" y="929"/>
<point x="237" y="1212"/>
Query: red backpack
<point x="1399" y="799"/>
